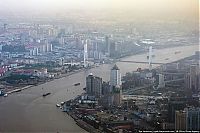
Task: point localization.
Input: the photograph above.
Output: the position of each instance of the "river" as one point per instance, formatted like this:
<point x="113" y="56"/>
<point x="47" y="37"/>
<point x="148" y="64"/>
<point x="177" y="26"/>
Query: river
<point x="28" y="111"/>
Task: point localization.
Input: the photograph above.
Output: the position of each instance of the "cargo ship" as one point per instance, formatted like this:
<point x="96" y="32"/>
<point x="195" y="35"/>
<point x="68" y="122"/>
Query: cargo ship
<point x="18" y="90"/>
<point x="46" y="94"/>
<point x="77" y="84"/>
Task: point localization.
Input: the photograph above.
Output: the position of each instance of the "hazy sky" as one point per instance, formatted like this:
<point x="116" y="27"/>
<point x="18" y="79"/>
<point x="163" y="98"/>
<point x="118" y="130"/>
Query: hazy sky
<point x="143" y="6"/>
<point x="64" y="4"/>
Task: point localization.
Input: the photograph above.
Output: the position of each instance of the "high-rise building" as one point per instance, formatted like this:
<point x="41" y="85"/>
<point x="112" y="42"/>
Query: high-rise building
<point x="35" y="51"/>
<point x="49" y="47"/>
<point x="161" y="81"/>
<point x="106" y="94"/>
<point x="187" y="81"/>
<point x="94" y="86"/>
<point x="61" y="41"/>
<point x="105" y="88"/>
<point x="117" y="93"/>
<point x="189" y="119"/>
<point x="193" y="119"/>
<point x="31" y="52"/>
<point x="42" y="48"/>
<point x="180" y="120"/>
<point x="174" y="106"/>
<point x="115" y="86"/>
<point x="107" y="44"/>
<point x="115" y="76"/>
<point x="194" y="77"/>
<point x="112" y="49"/>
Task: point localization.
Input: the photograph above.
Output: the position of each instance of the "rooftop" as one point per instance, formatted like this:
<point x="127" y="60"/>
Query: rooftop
<point x="115" y="67"/>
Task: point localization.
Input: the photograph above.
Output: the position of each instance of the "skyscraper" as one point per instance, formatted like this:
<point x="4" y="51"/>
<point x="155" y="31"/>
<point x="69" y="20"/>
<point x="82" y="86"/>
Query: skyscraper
<point x="93" y="86"/>
<point x="117" y="92"/>
<point x="192" y="80"/>
<point x="115" y="86"/>
<point x="180" y="120"/>
<point x="107" y="44"/>
<point x="173" y="106"/>
<point x="187" y="81"/>
<point x="193" y="77"/>
<point x="193" y="119"/>
<point x="161" y="81"/>
<point x="115" y="77"/>
<point x="62" y="41"/>
<point x="112" y="49"/>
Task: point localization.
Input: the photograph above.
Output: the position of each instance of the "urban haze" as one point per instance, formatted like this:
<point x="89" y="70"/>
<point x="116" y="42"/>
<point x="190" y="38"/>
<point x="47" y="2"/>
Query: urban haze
<point x="99" y="66"/>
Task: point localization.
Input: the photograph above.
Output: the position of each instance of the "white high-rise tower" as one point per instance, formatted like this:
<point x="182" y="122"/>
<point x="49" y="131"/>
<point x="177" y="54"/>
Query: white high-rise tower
<point x="115" y="87"/>
<point x="85" y="58"/>
<point x="115" y="76"/>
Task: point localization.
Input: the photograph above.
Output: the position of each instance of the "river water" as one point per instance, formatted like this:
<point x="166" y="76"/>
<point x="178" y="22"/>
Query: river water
<point x="28" y="111"/>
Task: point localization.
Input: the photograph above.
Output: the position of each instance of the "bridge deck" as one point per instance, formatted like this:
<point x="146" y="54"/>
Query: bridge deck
<point x="143" y="62"/>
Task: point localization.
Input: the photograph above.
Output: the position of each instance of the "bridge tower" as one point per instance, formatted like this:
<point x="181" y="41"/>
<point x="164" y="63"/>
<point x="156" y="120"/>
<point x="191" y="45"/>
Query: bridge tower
<point x="150" y="57"/>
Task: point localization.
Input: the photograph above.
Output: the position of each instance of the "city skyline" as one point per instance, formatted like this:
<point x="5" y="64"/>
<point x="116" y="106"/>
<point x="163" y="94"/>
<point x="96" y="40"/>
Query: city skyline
<point x="99" y="65"/>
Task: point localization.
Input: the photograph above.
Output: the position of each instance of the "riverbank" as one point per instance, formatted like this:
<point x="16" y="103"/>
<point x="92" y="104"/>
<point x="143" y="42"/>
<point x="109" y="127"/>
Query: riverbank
<point x="17" y="90"/>
<point x="49" y="80"/>
<point x="81" y="70"/>
<point x="28" y="111"/>
<point x="157" y="47"/>
<point x="83" y="124"/>
<point x="79" y="113"/>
